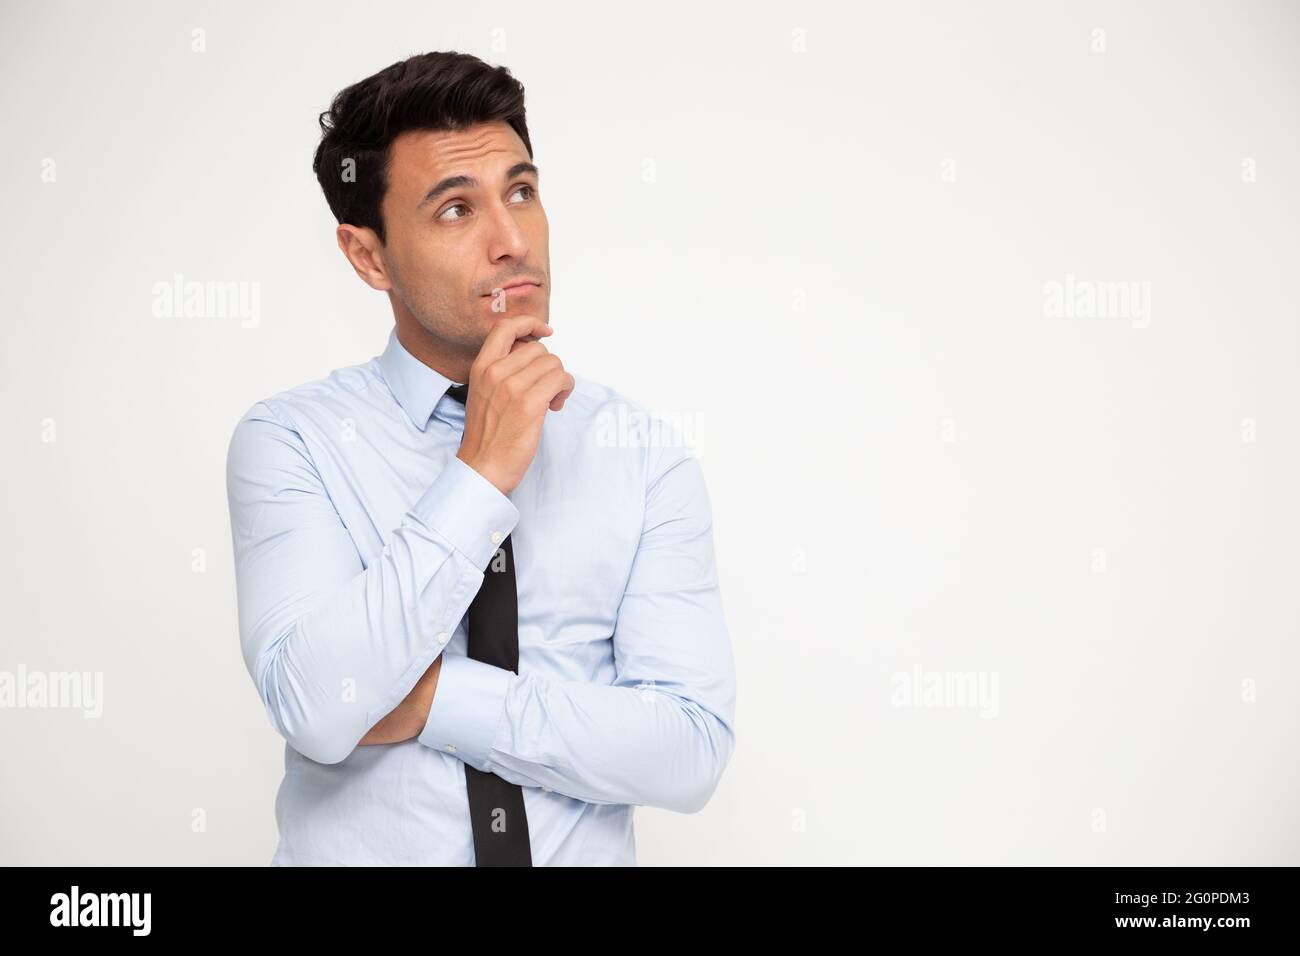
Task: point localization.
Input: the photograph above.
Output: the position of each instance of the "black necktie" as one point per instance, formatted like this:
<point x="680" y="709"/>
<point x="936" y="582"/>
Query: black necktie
<point x="496" y="807"/>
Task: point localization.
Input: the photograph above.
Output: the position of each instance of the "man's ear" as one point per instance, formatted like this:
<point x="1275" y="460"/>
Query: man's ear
<point x="366" y="253"/>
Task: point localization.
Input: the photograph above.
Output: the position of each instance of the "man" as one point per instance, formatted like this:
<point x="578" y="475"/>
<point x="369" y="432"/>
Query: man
<point x="485" y="618"/>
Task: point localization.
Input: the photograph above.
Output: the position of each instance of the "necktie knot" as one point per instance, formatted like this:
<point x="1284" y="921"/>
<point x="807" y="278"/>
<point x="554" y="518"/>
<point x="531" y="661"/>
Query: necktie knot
<point x="459" y="392"/>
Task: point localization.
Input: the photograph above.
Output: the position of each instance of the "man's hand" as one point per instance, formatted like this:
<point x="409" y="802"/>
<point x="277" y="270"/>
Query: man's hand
<point x="511" y="386"/>
<point x="408" y="718"/>
<point x="512" y="383"/>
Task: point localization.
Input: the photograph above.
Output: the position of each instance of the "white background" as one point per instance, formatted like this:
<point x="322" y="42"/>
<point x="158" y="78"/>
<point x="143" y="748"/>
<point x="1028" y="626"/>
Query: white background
<point x="820" y="232"/>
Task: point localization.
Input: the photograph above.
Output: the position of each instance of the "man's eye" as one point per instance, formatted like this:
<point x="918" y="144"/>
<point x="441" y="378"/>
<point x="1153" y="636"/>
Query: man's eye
<point x="531" y="191"/>
<point x="458" y="205"/>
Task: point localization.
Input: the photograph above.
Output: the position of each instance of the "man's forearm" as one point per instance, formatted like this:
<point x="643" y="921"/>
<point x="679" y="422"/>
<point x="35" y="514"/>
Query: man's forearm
<point x="408" y="718"/>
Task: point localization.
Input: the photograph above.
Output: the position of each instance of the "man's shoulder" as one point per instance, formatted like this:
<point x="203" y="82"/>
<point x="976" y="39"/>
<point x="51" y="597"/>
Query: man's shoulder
<point x="331" y="394"/>
<point x="610" y="419"/>
<point x="594" y="404"/>
<point x="590" y="396"/>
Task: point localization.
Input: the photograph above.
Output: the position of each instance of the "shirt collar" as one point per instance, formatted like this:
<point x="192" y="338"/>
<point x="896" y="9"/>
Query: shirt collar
<point x="416" y="386"/>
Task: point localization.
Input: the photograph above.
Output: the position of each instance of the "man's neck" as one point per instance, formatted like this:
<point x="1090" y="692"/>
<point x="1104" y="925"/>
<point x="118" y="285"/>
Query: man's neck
<point x="432" y="351"/>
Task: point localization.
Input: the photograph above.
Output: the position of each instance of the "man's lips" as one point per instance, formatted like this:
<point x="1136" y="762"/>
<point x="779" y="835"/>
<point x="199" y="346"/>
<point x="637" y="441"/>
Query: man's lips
<point x="518" y="288"/>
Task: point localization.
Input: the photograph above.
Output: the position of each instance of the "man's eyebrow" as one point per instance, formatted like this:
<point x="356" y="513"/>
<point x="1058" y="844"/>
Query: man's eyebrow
<point x="458" y="182"/>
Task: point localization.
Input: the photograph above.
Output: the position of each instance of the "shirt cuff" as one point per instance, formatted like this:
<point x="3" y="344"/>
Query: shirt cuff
<point x="468" y="707"/>
<point x="468" y="510"/>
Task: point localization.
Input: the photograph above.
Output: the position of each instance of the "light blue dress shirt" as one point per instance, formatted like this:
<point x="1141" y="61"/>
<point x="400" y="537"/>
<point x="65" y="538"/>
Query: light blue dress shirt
<point x="360" y="540"/>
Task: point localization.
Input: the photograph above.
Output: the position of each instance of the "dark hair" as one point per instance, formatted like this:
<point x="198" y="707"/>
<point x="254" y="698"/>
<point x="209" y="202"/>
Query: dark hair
<point x="438" y="91"/>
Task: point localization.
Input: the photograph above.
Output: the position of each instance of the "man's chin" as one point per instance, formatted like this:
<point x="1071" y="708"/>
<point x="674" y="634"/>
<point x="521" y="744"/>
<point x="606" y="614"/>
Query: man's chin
<point x="540" y="311"/>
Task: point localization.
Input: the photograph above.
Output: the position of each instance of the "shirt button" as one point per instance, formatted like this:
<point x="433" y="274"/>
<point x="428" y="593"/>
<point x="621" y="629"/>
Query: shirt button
<point x="442" y="637"/>
<point x="496" y="537"/>
<point x="451" y="748"/>
<point x="547" y="789"/>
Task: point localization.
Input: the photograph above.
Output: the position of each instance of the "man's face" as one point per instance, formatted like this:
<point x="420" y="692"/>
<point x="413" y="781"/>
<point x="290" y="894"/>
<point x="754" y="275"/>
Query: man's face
<point x="464" y="217"/>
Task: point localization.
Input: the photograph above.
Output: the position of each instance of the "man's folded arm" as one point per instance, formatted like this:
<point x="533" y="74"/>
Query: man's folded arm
<point x="663" y="732"/>
<point x="333" y="646"/>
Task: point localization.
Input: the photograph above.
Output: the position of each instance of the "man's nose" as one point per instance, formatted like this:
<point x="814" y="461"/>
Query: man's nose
<point x="507" y="237"/>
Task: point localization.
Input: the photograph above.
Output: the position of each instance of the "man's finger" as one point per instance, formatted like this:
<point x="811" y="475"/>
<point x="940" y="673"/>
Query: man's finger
<point x="515" y="345"/>
<point x="519" y="357"/>
<point x="558" y="401"/>
<point x="506" y="332"/>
